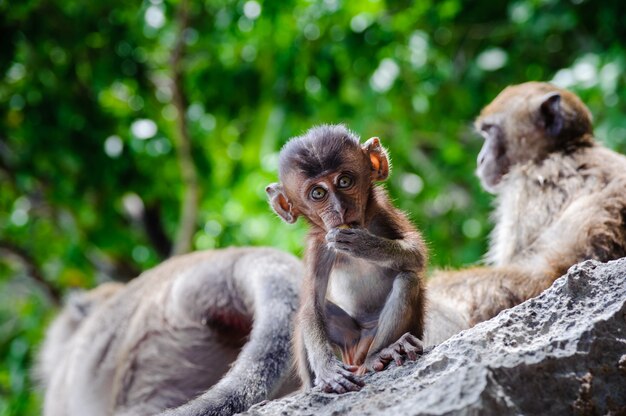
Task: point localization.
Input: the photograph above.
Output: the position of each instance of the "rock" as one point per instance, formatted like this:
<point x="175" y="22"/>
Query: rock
<point x="561" y="353"/>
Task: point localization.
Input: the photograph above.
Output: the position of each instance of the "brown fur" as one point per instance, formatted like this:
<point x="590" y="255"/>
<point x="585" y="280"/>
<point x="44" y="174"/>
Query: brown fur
<point x="362" y="294"/>
<point x="560" y="199"/>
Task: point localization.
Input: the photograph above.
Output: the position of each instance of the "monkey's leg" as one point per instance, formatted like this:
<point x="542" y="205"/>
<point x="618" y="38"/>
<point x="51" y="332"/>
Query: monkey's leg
<point x="343" y="331"/>
<point x="394" y="324"/>
<point x="304" y="370"/>
<point x="363" y="345"/>
<point x="331" y="375"/>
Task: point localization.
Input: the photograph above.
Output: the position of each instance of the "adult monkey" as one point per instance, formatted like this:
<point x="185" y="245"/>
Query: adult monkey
<point x="167" y="338"/>
<point x="77" y="308"/>
<point x="560" y="199"/>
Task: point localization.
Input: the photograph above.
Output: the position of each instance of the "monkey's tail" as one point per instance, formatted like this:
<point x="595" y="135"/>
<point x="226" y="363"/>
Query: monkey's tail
<point x="269" y="282"/>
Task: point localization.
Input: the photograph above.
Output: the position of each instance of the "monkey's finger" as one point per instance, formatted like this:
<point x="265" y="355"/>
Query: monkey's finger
<point x="338" y="387"/>
<point x="341" y="384"/>
<point x="409" y="346"/>
<point x="346" y="238"/>
<point x="341" y="247"/>
<point x="352" y="377"/>
<point x="351" y="368"/>
<point x="348" y="385"/>
<point x="398" y="358"/>
<point x="414" y="341"/>
<point x="331" y="236"/>
<point x="379" y="365"/>
<point x="411" y="352"/>
<point x="333" y="387"/>
<point x="385" y="356"/>
<point x="340" y="244"/>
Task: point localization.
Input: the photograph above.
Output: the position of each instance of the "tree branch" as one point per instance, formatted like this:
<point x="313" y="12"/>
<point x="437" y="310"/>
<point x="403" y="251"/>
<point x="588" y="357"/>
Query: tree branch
<point x="153" y="226"/>
<point x="191" y="197"/>
<point x="33" y="270"/>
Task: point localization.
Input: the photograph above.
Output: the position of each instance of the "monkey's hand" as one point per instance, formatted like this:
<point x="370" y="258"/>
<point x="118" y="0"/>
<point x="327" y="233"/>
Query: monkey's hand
<point x="405" y="254"/>
<point x="407" y="346"/>
<point x="338" y="378"/>
<point x="354" y="241"/>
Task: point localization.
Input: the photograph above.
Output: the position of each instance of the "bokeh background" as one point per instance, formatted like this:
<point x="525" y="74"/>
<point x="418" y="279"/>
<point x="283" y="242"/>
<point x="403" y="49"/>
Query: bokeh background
<point x="133" y="130"/>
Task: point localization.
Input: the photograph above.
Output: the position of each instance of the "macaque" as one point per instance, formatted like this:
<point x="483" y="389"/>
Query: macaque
<point x="206" y="333"/>
<point x="560" y="199"/>
<point x="362" y="294"/>
<point x="78" y="307"/>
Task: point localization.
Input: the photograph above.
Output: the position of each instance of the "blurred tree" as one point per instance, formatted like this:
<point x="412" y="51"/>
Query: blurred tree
<point x="130" y="132"/>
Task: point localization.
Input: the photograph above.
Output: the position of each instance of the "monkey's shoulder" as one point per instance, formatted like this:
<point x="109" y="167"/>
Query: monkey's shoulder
<point x="391" y="224"/>
<point x="587" y="170"/>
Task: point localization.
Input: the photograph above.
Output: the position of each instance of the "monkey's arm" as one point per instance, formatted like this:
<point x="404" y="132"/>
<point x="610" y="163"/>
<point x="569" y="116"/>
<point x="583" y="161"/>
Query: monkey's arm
<point x="593" y="226"/>
<point x="330" y="374"/>
<point x="405" y="253"/>
<point x="481" y="293"/>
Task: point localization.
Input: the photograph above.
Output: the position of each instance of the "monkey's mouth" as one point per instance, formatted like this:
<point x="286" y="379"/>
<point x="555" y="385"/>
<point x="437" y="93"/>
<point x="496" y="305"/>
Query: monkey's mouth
<point x="342" y="225"/>
<point x="345" y="226"/>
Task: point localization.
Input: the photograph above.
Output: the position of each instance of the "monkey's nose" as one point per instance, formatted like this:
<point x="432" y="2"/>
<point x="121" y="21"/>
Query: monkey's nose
<point x="342" y="213"/>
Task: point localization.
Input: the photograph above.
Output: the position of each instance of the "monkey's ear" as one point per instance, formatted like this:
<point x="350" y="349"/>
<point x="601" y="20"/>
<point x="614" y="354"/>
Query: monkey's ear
<point x="280" y="203"/>
<point x="379" y="161"/>
<point x="551" y="113"/>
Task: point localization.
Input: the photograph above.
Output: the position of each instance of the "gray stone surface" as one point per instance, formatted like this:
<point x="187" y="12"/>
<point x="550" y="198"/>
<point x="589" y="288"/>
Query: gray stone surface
<point x="561" y="353"/>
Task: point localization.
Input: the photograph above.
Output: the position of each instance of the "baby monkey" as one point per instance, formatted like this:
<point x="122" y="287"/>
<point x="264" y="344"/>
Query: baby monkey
<point x="362" y="293"/>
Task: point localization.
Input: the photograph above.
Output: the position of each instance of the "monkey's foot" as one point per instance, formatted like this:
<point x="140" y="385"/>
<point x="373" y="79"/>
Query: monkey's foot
<point x="338" y="378"/>
<point x="406" y="347"/>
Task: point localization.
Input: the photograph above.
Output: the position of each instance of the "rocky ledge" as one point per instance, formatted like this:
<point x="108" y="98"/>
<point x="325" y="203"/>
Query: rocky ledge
<point x="561" y="353"/>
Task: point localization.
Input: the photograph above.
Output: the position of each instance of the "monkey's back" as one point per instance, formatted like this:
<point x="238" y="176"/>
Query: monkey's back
<point x="170" y="334"/>
<point x="578" y="198"/>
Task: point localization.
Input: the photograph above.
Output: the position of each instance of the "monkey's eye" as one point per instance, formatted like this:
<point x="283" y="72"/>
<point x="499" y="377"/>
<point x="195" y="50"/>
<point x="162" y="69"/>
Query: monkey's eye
<point x="487" y="128"/>
<point x="344" y="182"/>
<point x="318" y="193"/>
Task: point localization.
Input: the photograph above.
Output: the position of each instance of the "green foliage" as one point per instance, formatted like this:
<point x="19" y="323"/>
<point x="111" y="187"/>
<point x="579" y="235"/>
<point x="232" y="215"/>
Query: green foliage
<point x="89" y="124"/>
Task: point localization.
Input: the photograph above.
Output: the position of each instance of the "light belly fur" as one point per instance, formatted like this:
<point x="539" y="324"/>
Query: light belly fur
<point x="358" y="286"/>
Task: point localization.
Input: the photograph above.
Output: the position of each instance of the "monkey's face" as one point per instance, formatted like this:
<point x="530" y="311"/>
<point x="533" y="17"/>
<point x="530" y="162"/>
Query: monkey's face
<point x="335" y="198"/>
<point x="510" y="140"/>
<point x="327" y="177"/>
<point x="506" y="144"/>
<point x="524" y="124"/>
<point x="493" y="161"/>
